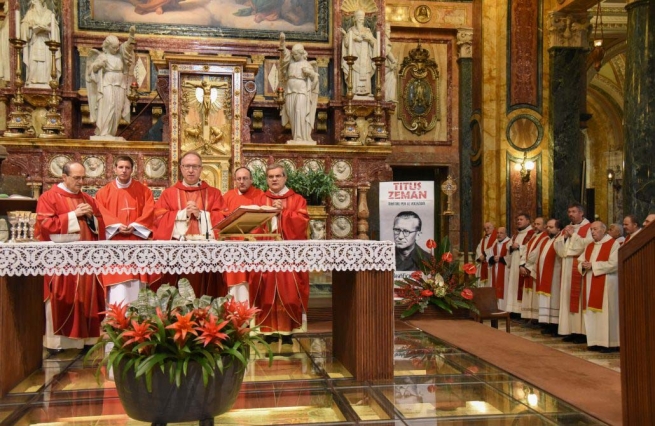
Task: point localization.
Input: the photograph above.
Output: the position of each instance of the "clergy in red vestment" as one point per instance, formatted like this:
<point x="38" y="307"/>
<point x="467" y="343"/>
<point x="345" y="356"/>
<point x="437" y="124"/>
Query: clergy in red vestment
<point x="283" y="296"/>
<point x="127" y="208"/>
<point x="72" y="302"/>
<point x="189" y="210"/>
<point x="486" y="243"/>
<point x="244" y="194"/>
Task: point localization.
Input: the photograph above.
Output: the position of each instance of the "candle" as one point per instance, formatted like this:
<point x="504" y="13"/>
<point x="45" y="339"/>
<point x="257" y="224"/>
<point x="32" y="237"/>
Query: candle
<point x="378" y="50"/>
<point x="52" y="27"/>
<point x="350" y="42"/>
<point x="17" y="23"/>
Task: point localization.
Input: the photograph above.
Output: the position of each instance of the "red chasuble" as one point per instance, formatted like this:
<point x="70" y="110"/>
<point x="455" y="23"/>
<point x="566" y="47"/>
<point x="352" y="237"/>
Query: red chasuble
<point x="283" y="296"/>
<point x="522" y="278"/>
<point x="76" y="300"/>
<point x="484" y="266"/>
<point x="124" y="206"/>
<point x="545" y="276"/>
<point x="576" y="276"/>
<point x="233" y="200"/>
<point x="171" y="201"/>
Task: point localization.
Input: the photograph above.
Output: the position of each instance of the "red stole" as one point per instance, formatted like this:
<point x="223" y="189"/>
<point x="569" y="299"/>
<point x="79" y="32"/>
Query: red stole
<point x="498" y="279"/>
<point x="532" y="244"/>
<point x="576" y="276"/>
<point x="545" y="277"/>
<point x="484" y="266"/>
<point x="597" y="289"/>
<point x="522" y="278"/>
<point x="626" y="239"/>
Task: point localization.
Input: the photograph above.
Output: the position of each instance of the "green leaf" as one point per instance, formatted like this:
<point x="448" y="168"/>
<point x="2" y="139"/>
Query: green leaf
<point x="440" y="303"/>
<point x="410" y="311"/>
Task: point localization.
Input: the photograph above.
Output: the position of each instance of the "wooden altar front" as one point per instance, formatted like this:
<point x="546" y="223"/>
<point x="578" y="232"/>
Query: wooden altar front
<point x="362" y="299"/>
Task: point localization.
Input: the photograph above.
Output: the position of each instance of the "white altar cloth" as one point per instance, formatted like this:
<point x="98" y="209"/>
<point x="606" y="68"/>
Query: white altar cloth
<point x="106" y="257"/>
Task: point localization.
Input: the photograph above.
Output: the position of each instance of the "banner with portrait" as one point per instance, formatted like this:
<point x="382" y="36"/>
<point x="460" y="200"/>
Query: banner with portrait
<point x="407" y="219"/>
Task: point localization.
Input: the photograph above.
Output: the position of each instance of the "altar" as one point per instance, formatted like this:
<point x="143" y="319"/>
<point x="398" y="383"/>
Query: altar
<point x="362" y="296"/>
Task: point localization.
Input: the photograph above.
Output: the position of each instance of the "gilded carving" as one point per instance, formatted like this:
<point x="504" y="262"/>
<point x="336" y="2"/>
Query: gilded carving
<point x="258" y="120"/>
<point x="419" y="81"/>
<point x="569" y="29"/>
<point x="422" y="14"/>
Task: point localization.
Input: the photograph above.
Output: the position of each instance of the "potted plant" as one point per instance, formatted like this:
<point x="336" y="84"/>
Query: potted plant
<point x="441" y="282"/>
<point x="175" y="357"/>
<point x="315" y="185"/>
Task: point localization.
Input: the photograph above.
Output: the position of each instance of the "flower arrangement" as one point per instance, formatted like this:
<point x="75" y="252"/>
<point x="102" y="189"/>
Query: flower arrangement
<point x="172" y="328"/>
<point x="439" y="282"/>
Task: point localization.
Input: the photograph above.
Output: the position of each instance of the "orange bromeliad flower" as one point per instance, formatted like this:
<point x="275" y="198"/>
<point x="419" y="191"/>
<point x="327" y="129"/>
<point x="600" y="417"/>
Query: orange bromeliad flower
<point x="117" y="316"/>
<point x="139" y="333"/>
<point x="239" y="313"/>
<point x="182" y="326"/>
<point x="211" y="332"/>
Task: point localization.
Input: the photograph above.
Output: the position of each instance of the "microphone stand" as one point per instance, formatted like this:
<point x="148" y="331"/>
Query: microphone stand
<point x="204" y="212"/>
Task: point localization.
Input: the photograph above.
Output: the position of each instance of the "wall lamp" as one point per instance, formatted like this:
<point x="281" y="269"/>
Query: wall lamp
<point x="524" y="168"/>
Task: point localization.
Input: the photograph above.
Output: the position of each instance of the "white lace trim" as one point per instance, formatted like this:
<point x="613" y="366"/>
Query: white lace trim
<point x="107" y="257"/>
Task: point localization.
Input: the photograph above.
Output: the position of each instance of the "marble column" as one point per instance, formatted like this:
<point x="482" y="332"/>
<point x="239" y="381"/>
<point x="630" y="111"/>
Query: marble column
<point x="465" y="62"/>
<point x="639" y="111"/>
<point x="568" y="50"/>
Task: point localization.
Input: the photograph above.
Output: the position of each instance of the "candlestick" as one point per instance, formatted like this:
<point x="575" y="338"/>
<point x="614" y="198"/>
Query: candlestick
<point x="53" y="127"/>
<point x="17" y="23"/>
<point x="19" y="120"/>
<point x="350" y="133"/>
<point x="378" y="128"/>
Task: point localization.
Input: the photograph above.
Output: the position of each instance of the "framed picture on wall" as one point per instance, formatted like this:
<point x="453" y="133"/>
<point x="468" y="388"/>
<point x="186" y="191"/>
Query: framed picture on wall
<point x="301" y="20"/>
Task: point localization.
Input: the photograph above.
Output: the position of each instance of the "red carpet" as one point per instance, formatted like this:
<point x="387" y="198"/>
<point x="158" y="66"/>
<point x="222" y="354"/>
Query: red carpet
<point x="591" y="388"/>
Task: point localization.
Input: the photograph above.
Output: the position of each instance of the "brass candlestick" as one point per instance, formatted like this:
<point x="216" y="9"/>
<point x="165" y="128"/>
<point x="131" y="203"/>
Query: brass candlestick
<point x="19" y="120"/>
<point x="349" y="134"/>
<point x="53" y="127"/>
<point x="378" y="128"/>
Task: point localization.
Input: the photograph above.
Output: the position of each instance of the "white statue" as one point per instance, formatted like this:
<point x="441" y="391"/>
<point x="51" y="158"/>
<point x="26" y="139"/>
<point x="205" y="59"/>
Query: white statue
<point x="359" y="41"/>
<point x="38" y="26"/>
<point x="4" y="47"/>
<point x="299" y="77"/>
<point x="391" y="69"/>
<point x="107" y="84"/>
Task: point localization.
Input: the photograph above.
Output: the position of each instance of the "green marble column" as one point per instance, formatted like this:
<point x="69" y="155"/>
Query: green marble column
<point x="639" y="111"/>
<point x="465" y="62"/>
<point x="568" y="52"/>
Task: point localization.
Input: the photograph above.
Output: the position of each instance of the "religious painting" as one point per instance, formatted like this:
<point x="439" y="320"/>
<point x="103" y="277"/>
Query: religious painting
<point x="302" y="20"/>
<point x="419" y="106"/>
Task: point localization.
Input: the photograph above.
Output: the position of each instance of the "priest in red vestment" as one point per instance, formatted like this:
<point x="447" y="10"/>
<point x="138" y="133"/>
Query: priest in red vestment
<point x="190" y="209"/>
<point x="244" y="194"/>
<point x="283" y="296"/>
<point x="127" y="208"/>
<point x="72" y="302"/>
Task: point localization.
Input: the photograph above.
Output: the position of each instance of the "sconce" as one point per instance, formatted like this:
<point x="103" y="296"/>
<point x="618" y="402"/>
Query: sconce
<point x="524" y="168"/>
<point x="530" y="396"/>
<point x="615" y="178"/>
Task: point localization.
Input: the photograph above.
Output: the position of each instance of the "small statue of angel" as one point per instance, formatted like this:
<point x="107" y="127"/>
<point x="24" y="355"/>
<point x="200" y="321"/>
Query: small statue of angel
<point x="300" y="80"/>
<point x="107" y="83"/>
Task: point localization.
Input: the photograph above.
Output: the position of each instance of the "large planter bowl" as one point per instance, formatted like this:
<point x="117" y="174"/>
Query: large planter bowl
<point x="168" y="403"/>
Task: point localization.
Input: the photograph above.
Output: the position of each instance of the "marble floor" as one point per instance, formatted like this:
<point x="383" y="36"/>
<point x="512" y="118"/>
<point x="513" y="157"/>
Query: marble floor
<point x="434" y="383"/>
<point x="532" y="333"/>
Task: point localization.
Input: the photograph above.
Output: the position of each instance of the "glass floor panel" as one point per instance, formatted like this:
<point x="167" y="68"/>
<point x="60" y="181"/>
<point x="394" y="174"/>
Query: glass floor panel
<point x="304" y="385"/>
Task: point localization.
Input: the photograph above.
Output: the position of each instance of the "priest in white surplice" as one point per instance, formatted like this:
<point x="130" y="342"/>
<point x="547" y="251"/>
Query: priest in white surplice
<point x="487" y="242"/>
<point x="528" y="269"/>
<point x="518" y="245"/>
<point x="598" y="264"/>
<point x="499" y="260"/>
<point x="569" y="245"/>
<point x="548" y="277"/>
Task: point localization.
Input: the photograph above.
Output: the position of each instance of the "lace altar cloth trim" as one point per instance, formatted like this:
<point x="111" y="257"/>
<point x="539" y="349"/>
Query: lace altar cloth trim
<point x="109" y="257"/>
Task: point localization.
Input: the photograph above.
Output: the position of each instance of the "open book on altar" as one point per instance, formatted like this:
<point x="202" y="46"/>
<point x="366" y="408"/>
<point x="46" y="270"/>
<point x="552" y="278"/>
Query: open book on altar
<point x="245" y="219"/>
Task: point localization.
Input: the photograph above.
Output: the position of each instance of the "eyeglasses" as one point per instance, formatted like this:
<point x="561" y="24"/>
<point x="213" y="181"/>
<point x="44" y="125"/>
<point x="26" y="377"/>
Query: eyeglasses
<point x="191" y="166"/>
<point x="242" y="179"/>
<point x="404" y="232"/>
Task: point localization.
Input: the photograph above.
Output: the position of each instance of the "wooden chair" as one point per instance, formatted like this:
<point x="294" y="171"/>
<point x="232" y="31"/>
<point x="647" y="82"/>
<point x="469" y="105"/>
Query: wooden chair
<point x="484" y="298"/>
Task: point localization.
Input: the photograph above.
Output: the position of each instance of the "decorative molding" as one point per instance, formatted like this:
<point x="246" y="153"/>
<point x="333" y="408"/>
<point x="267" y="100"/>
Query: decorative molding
<point x="464" y="43"/>
<point x="257" y="120"/>
<point x="321" y="121"/>
<point x="569" y="29"/>
<point x="524" y="132"/>
<point x="419" y="103"/>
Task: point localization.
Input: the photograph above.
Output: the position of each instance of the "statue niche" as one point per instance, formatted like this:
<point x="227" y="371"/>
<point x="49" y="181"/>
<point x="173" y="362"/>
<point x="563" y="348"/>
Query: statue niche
<point x="206" y="113"/>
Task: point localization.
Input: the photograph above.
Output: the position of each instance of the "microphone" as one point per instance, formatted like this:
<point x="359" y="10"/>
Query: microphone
<point x="202" y="213"/>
